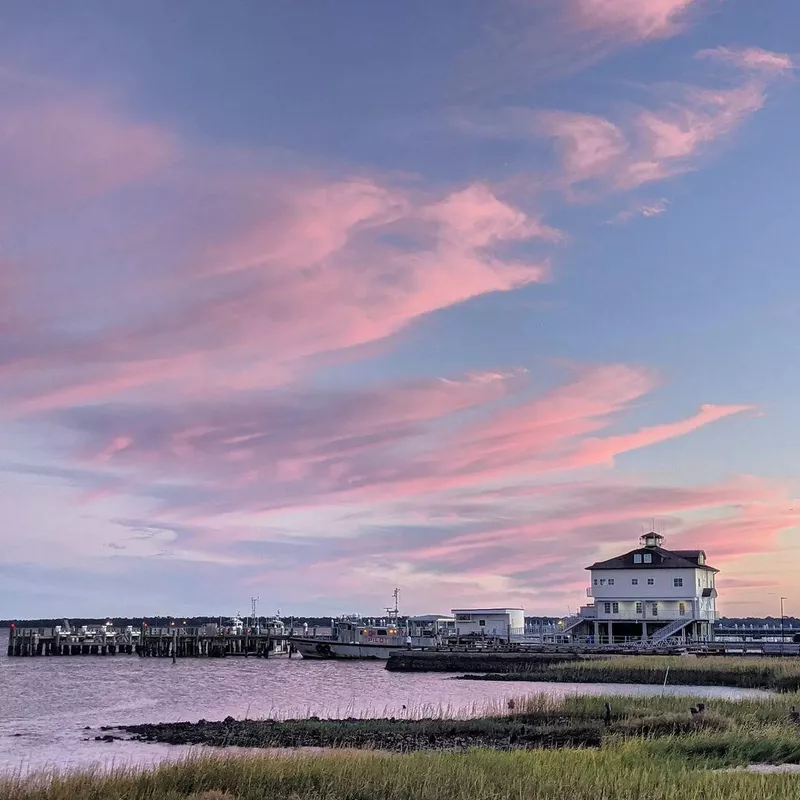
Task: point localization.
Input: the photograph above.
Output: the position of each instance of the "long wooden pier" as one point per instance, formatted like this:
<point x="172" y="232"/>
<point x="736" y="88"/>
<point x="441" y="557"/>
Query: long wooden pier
<point x="208" y="641"/>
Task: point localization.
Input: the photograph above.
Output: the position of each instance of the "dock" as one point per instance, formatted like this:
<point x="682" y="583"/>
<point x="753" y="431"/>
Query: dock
<point x="208" y="641"/>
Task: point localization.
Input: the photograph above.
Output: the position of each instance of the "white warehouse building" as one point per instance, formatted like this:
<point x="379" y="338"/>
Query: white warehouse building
<point x="651" y="594"/>
<point x="498" y="623"/>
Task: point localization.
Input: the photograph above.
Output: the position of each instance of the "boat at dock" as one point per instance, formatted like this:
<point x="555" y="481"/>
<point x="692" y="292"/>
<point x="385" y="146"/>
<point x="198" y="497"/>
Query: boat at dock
<point x="350" y="639"/>
<point x="355" y="638"/>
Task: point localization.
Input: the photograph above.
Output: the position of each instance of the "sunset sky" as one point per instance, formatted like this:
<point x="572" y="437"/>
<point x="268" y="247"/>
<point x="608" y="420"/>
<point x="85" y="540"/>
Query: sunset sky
<point x="312" y="300"/>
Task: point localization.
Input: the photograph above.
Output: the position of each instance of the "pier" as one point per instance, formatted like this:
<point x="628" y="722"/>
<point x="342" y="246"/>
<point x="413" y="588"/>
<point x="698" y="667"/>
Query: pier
<point x="208" y="641"/>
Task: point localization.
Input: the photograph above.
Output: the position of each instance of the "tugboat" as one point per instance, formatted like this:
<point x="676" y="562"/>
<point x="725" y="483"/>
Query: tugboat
<point x="353" y="639"/>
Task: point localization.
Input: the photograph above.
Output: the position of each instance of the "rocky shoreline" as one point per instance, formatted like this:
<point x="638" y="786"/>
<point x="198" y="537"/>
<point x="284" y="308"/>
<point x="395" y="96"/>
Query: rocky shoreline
<point x="401" y="735"/>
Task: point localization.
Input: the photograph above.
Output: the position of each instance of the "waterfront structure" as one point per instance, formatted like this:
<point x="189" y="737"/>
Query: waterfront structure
<point x="496" y="623"/>
<point x="174" y="641"/>
<point x="650" y="593"/>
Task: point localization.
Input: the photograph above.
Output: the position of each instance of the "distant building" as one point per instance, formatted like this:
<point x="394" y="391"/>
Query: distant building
<point x="649" y="593"/>
<point x="497" y="623"/>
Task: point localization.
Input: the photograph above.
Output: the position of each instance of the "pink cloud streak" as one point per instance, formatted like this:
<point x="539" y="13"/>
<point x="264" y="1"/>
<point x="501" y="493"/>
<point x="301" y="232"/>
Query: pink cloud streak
<point x="750" y="58"/>
<point x="378" y="445"/>
<point x="633" y="19"/>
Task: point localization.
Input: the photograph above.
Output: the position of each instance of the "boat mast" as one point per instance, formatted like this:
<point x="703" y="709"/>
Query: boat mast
<point x="394" y="613"/>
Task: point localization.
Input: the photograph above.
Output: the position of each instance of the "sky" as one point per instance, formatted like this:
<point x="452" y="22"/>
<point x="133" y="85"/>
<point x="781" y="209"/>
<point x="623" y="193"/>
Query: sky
<point x="309" y="301"/>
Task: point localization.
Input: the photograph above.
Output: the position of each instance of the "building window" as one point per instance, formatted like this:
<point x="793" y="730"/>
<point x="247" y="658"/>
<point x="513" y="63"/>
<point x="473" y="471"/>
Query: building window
<point x="637" y="558"/>
<point x="651" y="581"/>
<point x="607" y="607"/>
<point x="482" y="622"/>
<point x="677" y="582"/>
<point x="615" y="608"/>
<point x="682" y="609"/>
<point x="602" y="581"/>
<point x="639" y="608"/>
<point x="595" y="582"/>
<point x="634" y="581"/>
<point x="655" y="609"/>
<point x="464" y="617"/>
<point x="610" y="581"/>
<point x="648" y="558"/>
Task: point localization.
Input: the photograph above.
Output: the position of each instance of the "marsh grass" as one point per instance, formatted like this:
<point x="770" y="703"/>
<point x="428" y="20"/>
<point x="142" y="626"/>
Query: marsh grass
<point x="778" y="674"/>
<point x="629" y="771"/>
<point x="652" y="749"/>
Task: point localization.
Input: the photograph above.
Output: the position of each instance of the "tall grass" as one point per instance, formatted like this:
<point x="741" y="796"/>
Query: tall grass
<point x="745" y="672"/>
<point x="636" y="759"/>
<point x="627" y="772"/>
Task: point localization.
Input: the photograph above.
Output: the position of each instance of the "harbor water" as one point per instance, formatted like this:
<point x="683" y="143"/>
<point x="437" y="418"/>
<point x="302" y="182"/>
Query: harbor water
<point x="48" y="702"/>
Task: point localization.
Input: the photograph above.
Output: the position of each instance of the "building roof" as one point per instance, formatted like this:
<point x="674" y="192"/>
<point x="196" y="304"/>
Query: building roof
<point x="432" y="618"/>
<point x="662" y="559"/>
<point x="486" y="610"/>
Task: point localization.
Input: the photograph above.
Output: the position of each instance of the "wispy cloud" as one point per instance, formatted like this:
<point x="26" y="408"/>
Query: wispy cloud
<point x="598" y="155"/>
<point x="632" y="19"/>
<point x="750" y="58"/>
<point x="306" y="450"/>
<point x="328" y="265"/>
<point x="652" y="208"/>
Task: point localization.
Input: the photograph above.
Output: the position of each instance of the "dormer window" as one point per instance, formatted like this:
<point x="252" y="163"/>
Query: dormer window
<point x="648" y="558"/>
<point x="637" y="558"/>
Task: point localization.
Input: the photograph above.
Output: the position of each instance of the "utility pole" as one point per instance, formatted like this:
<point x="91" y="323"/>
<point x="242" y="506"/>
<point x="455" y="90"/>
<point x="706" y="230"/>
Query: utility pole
<point x="783" y="599"/>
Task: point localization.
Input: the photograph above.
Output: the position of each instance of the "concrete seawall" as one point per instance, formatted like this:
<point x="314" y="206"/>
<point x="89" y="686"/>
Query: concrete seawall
<point x="451" y="661"/>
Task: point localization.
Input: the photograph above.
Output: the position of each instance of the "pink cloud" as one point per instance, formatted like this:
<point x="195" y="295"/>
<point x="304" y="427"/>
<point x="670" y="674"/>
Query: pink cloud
<point x="653" y="144"/>
<point x="753" y="528"/>
<point x="597" y="155"/>
<point x="58" y="144"/>
<point x="636" y="20"/>
<point x="526" y="553"/>
<point x="598" y="451"/>
<point x="670" y="137"/>
<point x="314" y="274"/>
<point x="533" y="41"/>
<point x="750" y="58"/>
<point x="589" y="146"/>
<point x="298" y="450"/>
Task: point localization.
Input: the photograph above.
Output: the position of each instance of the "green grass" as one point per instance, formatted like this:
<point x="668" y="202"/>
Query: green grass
<point x="776" y="674"/>
<point x="624" y="772"/>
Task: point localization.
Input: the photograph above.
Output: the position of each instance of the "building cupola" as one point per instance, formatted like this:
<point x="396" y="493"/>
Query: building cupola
<point x="652" y="539"/>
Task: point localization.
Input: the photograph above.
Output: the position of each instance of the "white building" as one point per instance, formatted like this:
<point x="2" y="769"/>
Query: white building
<point x="650" y="593"/>
<point x="499" y="623"/>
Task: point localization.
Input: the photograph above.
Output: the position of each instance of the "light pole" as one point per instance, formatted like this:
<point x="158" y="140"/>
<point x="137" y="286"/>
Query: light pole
<point x="783" y="599"/>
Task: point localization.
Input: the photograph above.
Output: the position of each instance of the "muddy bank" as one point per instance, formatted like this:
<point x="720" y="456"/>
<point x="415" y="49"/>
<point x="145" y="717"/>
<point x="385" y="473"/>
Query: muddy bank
<point x="501" y="733"/>
<point x="392" y="735"/>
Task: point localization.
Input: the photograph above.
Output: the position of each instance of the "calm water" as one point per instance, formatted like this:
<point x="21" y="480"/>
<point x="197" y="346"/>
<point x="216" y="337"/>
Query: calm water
<point x="47" y="702"/>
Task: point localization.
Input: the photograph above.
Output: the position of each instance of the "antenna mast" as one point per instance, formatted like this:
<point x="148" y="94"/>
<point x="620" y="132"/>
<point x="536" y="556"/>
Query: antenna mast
<point x="254" y="606"/>
<point x="394" y="613"/>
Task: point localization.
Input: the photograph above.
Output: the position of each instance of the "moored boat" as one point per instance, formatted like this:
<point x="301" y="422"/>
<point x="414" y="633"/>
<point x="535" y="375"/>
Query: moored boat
<point x="352" y="639"/>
